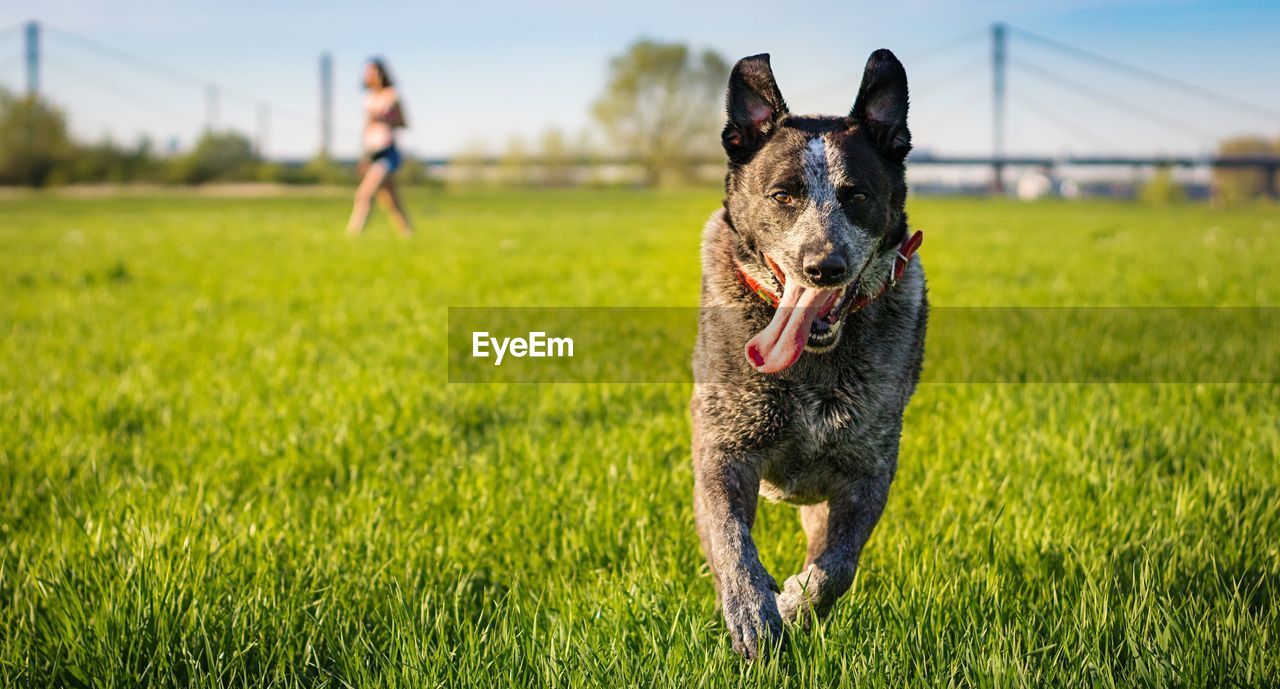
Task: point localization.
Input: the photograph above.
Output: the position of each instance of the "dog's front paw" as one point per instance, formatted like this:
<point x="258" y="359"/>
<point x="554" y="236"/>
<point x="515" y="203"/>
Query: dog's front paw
<point x="799" y="596"/>
<point x="753" y="620"/>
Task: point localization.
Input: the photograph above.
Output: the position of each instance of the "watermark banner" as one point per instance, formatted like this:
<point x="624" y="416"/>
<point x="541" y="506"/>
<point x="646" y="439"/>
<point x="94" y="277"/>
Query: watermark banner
<point x="964" y="345"/>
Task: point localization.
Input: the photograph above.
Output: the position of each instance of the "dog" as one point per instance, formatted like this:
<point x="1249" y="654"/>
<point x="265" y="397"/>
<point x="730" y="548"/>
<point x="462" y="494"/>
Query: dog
<point x="810" y="340"/>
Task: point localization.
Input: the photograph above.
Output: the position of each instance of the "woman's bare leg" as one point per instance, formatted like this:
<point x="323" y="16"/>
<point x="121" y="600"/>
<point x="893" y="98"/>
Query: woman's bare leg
<point x="364" y="197"/>
<point x="391" y="201"/>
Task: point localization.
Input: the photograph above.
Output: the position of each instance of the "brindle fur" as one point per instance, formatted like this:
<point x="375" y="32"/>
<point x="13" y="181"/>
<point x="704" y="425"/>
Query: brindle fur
<point x="824" y="433"/>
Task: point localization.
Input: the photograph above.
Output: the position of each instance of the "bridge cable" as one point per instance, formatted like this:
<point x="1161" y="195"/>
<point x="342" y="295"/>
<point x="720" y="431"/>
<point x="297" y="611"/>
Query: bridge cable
<point x="173" y="74"/>
<point x="1109" y="99"/>
<point x="1064" y="124"/>
<point x="1149" y="75"/>
<point x="143" y="100"/>
<point x="909" y="60"/>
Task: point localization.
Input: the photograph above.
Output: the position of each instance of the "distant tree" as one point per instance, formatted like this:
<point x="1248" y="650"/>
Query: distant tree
<point x="274" y="173"/>
<point x="414" y="172"/>
<point x="513" y="165"/>
<point x="467" y="167"/>
<point x="33" y="140"/>
<point x="217" y="156"/>
<point x="1239" y="185"/>
<point x="557" y="159"/>
<point x="1162" y="188"/>
<point x="662" y="106"/>
<point x="586" y="147"/>
<point x="321" y="169"/>
<point x="108" y="162"/>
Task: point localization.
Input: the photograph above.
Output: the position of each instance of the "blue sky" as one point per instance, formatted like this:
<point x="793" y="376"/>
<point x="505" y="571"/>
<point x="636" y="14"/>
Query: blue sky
<point x="474" y="72"/>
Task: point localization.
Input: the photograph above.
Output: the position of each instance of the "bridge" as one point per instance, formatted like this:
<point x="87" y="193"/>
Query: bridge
<point x="1000" y="58"/>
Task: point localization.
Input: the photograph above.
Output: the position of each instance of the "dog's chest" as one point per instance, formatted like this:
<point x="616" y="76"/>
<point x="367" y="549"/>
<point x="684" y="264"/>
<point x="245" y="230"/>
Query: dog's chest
<point x="829" y="416"/>
<point x="829" y="445"/>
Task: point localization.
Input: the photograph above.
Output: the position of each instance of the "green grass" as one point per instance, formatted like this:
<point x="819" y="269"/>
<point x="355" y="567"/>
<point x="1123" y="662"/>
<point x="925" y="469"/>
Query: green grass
<point x="227" y="457"/>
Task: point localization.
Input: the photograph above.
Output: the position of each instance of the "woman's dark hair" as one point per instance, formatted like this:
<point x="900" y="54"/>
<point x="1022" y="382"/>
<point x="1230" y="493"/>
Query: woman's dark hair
<point x="383" y="75"/>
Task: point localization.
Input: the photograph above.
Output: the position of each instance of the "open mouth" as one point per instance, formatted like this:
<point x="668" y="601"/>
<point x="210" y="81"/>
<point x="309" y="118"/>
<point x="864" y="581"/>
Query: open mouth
<point x="825" y="330"/>
<point x="806" y="319"/>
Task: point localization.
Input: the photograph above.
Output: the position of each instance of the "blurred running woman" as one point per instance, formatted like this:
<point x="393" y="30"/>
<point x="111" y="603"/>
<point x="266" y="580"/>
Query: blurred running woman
<point x="383" y="115"/>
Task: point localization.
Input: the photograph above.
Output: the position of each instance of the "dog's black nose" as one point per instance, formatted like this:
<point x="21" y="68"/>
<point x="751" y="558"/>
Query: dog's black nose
<point x="825" y="269"/>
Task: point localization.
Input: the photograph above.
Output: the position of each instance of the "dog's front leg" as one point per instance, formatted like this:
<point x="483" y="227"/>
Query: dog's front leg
<point x="837" y="530"/>
<point x="725" y="490"/>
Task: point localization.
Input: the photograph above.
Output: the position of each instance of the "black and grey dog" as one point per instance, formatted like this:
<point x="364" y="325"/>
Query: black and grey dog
<point x="810" y="339"/>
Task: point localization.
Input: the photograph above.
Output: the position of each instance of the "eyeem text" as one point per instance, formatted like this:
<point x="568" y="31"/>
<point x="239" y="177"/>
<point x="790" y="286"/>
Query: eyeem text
<point x="536" y="346"/>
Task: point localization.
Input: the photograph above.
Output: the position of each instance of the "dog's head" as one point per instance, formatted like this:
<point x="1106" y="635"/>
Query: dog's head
<point x="816" y="200"/>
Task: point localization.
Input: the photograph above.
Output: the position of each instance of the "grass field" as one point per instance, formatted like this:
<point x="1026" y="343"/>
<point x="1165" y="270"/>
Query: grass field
<point x="228" y="457"/>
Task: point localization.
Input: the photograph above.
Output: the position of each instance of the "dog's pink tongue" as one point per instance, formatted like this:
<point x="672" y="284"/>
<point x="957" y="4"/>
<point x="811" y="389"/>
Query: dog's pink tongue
<point x="782" y="342"/>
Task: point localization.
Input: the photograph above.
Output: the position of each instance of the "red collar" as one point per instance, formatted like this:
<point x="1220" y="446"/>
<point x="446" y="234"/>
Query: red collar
<point x="905" y="251"/>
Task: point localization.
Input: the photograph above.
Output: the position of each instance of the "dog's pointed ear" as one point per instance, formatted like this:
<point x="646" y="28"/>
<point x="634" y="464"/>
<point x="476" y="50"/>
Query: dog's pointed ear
<point x="754" y="107"/>
<point x="881" y="107"/>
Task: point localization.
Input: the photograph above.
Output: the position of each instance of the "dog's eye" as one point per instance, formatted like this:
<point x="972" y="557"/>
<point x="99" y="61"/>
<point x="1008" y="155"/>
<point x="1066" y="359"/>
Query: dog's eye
<point x="852" y="195"/>
<point x="783" y="198"/>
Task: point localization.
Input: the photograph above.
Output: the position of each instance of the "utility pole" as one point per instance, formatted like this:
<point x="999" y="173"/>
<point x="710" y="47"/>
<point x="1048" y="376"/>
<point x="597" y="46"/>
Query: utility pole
<point x="211" y="107"/>
<point x="33" y="58"/>
<point x="326" y="103"/>
<point x="997" y="106"/>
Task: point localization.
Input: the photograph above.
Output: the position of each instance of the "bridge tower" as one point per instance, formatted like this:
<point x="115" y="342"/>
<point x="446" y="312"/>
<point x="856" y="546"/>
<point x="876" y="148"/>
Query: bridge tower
<point x="33" y="58"/>
<point x="997" y="106"/>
